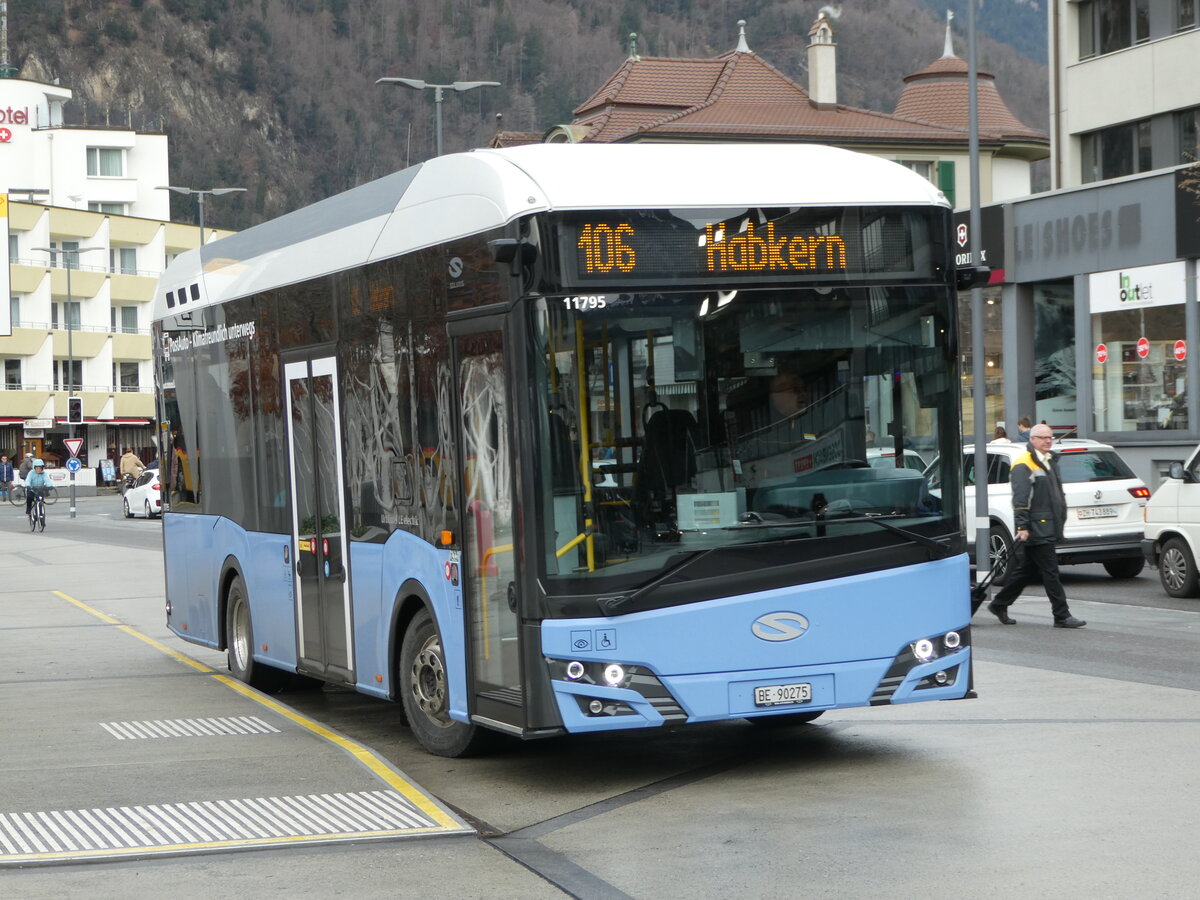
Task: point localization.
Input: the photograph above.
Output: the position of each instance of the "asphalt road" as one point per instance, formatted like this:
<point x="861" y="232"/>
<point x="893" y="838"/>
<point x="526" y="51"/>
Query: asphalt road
<point x="1069" y="776"/>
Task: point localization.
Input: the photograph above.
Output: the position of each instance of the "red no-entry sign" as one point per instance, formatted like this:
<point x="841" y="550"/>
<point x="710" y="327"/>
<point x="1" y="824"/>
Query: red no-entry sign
<point x="1181" y="350"/>
<point x="1101" y="353"/>
<point x="1143" y="347"/>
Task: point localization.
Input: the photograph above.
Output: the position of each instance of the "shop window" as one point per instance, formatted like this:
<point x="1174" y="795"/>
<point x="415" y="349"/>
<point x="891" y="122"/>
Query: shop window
<point x="1054" y="357"/>
<point x="993" y="363"/>
<point x="1142" y="383"/>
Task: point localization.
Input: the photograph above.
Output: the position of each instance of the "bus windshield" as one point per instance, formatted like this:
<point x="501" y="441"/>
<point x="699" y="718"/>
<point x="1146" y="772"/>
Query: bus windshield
<point x="736" y="429"/>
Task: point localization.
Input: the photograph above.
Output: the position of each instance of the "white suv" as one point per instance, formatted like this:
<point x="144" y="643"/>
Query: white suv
<point x="1104" y="505"/>
<point x="1173" y="529"/>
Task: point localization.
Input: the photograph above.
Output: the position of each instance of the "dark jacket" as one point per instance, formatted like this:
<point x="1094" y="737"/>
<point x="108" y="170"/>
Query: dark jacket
<point x="1039" y="504"/>
<point x="6" y="472"/>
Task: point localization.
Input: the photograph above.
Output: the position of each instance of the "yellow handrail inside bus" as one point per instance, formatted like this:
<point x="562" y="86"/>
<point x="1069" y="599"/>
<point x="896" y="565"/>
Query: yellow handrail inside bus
<point x="585" y="453"/>
<point x="483" y="599"/>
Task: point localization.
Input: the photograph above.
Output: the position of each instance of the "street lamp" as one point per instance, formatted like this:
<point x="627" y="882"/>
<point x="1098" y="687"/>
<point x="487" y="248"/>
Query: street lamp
<point x="417" y="85"/>
<point x="200" y="194"/>
<point x="70" y="343"/>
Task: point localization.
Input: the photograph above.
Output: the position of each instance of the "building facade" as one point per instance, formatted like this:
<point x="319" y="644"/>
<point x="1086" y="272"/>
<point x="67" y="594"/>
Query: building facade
<point x="1093" y="324"/>
<point x="84" y="221"/>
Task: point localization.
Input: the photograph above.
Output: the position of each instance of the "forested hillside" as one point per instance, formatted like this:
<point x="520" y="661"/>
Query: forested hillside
<point x="279" y="96"/>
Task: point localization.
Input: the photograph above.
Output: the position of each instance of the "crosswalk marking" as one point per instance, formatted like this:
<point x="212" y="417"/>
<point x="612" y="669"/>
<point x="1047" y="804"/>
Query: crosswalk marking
<point x="208" y="824"/>
<point x="166" y="728"/>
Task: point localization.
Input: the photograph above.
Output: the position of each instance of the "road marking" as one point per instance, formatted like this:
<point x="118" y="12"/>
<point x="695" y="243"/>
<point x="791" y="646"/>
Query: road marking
<point x="170" y="828"/>
<point x="167" y="728"/>
<point x="401" y="810"/>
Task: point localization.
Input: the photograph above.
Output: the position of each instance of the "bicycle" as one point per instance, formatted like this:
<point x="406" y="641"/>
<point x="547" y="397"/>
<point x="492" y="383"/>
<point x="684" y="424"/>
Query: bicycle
<point x="37" y="512"/>
<point x="16" y="495"/>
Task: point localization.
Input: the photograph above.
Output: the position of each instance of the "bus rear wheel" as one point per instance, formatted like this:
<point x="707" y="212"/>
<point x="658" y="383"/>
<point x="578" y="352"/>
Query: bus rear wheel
<point x="424" y="692"/>
<point x="239" y="634"/>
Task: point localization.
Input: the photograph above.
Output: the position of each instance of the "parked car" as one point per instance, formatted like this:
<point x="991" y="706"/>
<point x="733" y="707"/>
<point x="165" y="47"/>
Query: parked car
<point x="1105" y="501"/>
<point x="1173" y="529"/>
<point x="145" y="497"/>
<point x="885" y="458"/>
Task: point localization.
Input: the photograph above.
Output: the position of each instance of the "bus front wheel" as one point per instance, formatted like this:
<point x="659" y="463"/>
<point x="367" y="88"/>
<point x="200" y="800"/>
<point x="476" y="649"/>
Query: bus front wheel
<point x="424" y="693"/>
<point x="240" y="636"/>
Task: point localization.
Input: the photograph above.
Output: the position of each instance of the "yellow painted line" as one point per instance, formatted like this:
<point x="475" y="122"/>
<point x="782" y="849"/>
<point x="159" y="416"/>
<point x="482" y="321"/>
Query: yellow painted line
<point x="363" y="755"/>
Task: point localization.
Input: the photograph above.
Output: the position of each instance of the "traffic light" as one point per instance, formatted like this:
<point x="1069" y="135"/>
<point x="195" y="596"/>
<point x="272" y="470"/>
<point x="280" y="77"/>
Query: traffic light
<point x="75" y="410"/>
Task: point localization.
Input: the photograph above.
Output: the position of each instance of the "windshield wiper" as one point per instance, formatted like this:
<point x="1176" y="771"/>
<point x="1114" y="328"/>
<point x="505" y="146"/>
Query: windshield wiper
<point x="612" y="606"/>
<point x="937" y="549"/>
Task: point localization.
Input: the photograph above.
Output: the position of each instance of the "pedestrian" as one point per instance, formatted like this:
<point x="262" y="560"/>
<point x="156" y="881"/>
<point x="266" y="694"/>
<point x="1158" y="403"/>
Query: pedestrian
<point x="1039" y="512"/>
<point x="26" y="467"/>
<point x="6" y="476"/>
<point x="1023" y="425"/>
<point x="1000" y="435"/>
<point x="130" y="464"/>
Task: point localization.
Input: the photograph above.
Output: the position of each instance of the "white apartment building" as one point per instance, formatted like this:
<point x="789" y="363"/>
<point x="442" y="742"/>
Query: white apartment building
<point x="87" y="233"/>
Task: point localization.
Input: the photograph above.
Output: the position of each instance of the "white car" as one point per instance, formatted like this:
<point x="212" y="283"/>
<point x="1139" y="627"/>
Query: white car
<point x="145" y="497"/>
<point x="1104" y="505"/>
<point x="1173" y="529"/>
<point x="885" y="458"/>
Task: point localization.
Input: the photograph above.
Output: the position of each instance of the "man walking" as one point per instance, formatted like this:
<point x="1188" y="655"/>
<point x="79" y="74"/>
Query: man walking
<point x="1039" y="513"/>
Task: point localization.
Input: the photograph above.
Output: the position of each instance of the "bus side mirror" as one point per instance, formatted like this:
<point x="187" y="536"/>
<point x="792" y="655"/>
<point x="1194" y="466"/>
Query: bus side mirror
<point x="968" y="277"/>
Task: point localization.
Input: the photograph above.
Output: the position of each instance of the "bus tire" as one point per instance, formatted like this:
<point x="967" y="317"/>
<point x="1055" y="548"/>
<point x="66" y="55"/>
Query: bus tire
<point x="239" y="634"/>
<point x="423" y="685"/>
<point x="785" y="720"/>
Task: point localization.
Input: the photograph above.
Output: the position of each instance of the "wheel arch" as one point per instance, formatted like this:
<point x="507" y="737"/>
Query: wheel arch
<point x="231" y="568"/>
<point x="410" y="598"/>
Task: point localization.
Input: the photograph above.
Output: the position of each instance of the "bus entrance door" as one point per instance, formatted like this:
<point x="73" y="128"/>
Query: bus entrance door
<point x="489" y="562"/>
<point x="323" y="626"/>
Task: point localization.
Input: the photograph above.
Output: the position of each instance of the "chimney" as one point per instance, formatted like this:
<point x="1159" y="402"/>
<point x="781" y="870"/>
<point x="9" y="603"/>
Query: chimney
<point x="822" y="64"/>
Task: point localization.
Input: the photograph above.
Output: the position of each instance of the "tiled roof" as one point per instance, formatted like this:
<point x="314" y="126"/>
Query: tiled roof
<point x="741" y="96"/>
<point x="938" y="93"/>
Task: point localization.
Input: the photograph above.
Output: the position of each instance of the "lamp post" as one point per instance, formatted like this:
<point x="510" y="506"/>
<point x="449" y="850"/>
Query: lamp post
<point x="418" y="85"/>
<point x="70" y="342"/>
<point x="200" y="195"/>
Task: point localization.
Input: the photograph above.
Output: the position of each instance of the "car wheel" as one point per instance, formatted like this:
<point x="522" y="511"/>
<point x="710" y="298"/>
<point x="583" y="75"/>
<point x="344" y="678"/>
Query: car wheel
<point x="1000" y="554"/>
<point x="149" y="511"/>
<point x="1177" y="569"/>
<point x="423" y="684"/>
<point x="128" y="511"/>
<point x="1130" y="567"/>
<point x="239" y="634"/>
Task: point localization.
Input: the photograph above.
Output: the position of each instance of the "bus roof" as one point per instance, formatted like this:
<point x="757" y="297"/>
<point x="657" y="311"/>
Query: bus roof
<point x="453" y="196"/>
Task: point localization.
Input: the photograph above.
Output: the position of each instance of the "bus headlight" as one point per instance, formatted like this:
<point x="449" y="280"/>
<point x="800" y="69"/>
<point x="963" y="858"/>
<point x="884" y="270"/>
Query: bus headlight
<point x="575" y="670"/>
<point x="923" y="649"/>
<point x="614" y="675"/>
<point x="952" y="640"/>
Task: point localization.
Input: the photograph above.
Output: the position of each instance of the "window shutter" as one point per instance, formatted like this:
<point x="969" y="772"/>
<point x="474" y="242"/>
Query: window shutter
<point x="945" y="180"/>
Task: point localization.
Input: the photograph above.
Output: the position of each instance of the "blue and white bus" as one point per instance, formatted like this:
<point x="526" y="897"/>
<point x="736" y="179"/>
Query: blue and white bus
<point x="574" y="438"/>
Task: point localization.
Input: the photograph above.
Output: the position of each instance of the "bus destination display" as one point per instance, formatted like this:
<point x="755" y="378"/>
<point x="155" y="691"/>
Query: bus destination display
<point x="655" y="246"/>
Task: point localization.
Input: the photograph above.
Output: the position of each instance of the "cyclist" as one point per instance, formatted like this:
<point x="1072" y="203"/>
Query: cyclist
<point x="38" y="481"/>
